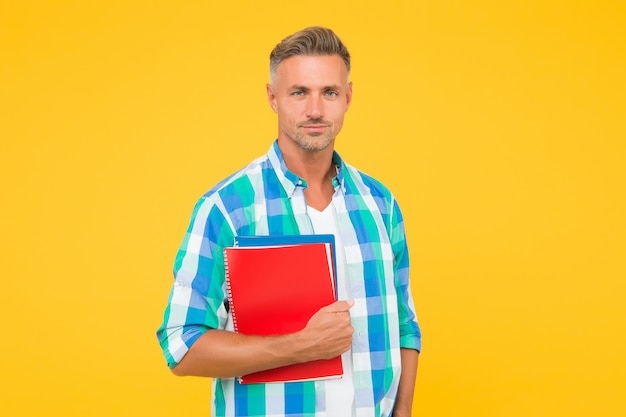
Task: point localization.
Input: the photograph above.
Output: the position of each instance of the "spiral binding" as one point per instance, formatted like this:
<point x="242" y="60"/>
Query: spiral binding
<point x="230" y="293"/>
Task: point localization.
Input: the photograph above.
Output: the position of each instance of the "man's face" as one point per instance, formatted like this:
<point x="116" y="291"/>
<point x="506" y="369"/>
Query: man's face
<point x="311" y="95"/>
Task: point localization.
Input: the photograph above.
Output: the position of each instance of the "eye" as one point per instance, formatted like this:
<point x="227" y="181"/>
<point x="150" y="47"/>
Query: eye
<point x="332" y="93"/>
<point x="297" y="93"/>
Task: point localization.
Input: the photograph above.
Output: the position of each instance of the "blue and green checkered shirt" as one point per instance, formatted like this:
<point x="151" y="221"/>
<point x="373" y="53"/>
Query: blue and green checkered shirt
<point x="265" y="198"/>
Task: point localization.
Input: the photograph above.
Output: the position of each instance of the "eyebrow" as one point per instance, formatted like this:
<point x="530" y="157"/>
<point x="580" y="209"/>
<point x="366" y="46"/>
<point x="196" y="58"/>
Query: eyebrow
<point x="304" y="88"/>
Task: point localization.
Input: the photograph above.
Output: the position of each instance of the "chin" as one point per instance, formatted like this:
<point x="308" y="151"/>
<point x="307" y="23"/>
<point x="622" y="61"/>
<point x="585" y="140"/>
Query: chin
<point x="316" y="145"/>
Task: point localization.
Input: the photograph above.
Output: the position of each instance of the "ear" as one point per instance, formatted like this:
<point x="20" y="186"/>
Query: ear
<point x="349" y="95"/>
<point x="271" y="97"/>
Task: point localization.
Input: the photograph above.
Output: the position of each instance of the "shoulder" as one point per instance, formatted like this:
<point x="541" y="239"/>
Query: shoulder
<point x="220" y="211"/>
<point x="366" y="191"/>
<point x="238" y="182"/>
<point x="366" y="184"/>
<point x="229" y="196"/>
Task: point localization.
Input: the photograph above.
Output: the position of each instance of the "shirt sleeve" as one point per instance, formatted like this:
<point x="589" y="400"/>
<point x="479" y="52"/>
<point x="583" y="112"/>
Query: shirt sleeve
<point x="196" y="299"/>
<point x="410" y="334"/>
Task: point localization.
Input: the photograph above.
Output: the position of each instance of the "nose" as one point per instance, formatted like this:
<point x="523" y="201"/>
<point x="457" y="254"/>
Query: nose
<point x="315" y="107"/>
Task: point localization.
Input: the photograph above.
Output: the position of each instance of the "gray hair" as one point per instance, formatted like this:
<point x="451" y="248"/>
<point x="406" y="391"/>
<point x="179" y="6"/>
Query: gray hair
<point x="311" y="41"/>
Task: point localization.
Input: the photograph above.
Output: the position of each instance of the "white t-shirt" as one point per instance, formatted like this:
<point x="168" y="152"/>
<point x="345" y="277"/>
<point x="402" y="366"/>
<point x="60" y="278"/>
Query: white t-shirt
<point x="339" y="392"/>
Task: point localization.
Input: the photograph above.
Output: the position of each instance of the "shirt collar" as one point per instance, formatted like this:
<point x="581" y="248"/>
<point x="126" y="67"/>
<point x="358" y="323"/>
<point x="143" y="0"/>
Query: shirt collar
<point x="291" y="181"/>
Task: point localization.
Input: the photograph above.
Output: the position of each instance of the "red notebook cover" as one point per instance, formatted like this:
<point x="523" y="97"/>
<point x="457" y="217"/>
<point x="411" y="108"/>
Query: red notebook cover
<point x="275" y="290"/>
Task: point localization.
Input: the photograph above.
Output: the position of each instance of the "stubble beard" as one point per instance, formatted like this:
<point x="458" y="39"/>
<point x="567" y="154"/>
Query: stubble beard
<point x="313" y="142"/>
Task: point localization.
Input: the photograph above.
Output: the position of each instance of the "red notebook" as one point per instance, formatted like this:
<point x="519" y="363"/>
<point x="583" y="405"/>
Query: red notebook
<point x="275" y="290"/>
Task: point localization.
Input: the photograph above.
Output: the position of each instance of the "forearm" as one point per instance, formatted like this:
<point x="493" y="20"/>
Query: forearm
<point x="404" y="399"/>
<point x="224" y="354"/>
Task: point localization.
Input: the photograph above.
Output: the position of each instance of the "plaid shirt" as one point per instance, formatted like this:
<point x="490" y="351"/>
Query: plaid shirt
<point x="265" y="198"/>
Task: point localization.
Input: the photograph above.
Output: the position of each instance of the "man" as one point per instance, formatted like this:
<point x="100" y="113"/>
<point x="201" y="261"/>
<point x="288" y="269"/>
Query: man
<point x="301" y="186"/>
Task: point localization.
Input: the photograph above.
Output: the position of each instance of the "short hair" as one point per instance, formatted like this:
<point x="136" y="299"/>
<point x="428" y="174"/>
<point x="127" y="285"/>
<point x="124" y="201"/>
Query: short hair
<point x="311" y="41"/>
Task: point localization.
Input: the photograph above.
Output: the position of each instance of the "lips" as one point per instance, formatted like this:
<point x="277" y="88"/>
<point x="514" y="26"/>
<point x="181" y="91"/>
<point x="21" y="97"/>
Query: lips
<point x="314" y="125"/>
<point x="315" y="128"/>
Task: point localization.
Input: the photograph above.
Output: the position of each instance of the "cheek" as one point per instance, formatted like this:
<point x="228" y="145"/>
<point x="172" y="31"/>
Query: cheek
<point x="289" y="113"/>
<point x="339" y="116"/>
<point x="283" y="116"/>
<point x="286" y="121"/>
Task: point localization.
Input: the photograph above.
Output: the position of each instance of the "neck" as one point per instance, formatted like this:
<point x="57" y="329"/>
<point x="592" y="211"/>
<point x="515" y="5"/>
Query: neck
<point x="316" y="167"/>
<point x="317" y="170"/>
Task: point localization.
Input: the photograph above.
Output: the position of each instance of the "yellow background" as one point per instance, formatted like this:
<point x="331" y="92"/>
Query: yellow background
<point x="499" y="125"/>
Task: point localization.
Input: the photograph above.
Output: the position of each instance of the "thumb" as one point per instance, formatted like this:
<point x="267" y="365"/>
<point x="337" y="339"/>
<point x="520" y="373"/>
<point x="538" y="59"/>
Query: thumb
<point x="340" y="306"/>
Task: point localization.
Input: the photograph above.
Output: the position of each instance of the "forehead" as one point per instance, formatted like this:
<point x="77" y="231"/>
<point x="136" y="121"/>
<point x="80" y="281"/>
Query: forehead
<point x="308" y="70"/>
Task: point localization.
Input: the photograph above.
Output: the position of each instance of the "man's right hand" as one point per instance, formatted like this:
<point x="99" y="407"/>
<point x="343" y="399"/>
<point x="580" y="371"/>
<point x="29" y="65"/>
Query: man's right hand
<point x="329" y="331"/>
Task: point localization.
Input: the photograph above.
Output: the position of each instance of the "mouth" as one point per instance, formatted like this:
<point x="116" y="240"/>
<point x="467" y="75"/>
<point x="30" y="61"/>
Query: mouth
<point x="315" y="127"/>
